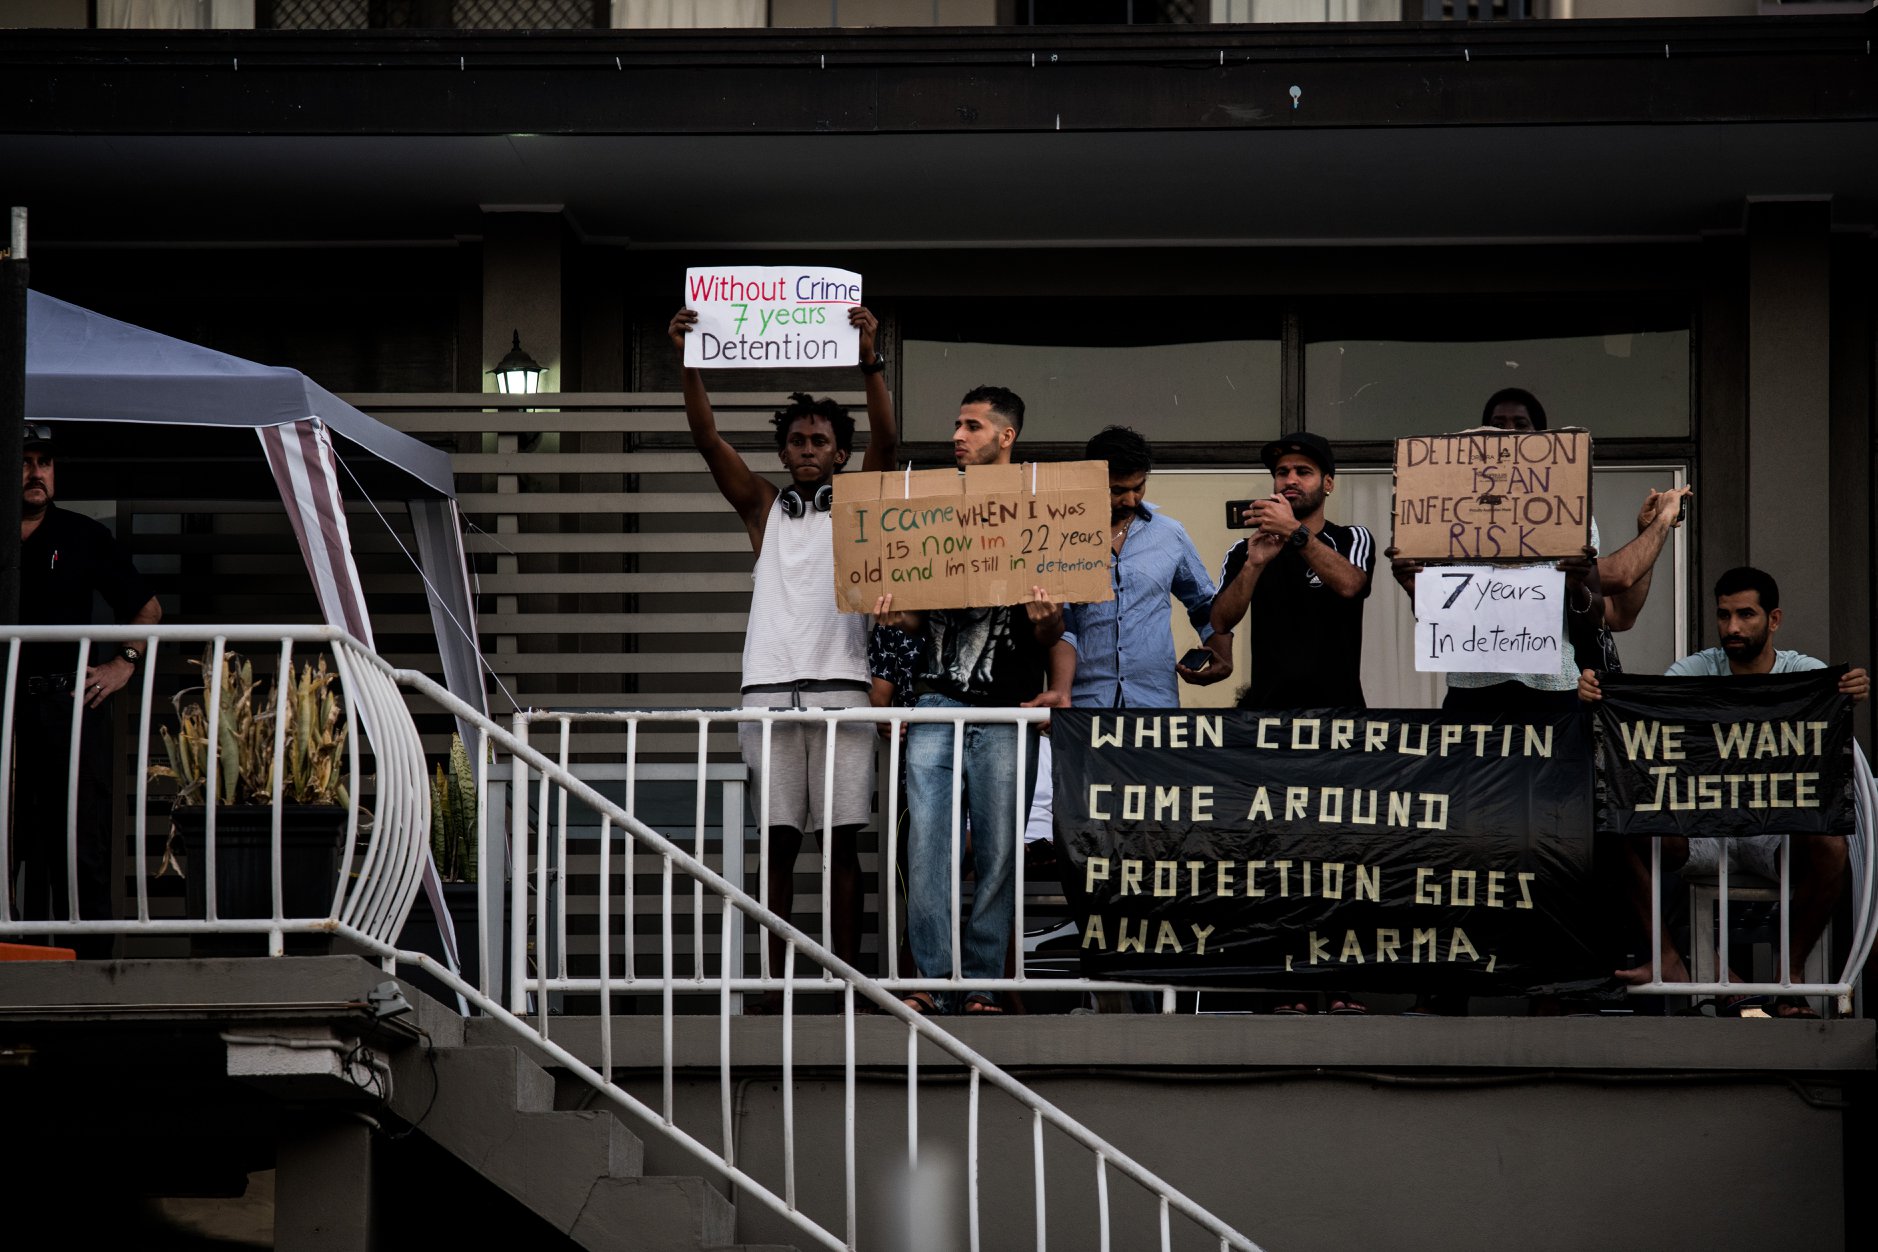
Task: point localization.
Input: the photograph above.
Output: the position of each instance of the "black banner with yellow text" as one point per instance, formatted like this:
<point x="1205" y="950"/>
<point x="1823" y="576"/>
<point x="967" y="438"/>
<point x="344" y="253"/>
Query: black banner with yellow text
<point x="1379" y="850"/>
<point x="1767" y="754"/>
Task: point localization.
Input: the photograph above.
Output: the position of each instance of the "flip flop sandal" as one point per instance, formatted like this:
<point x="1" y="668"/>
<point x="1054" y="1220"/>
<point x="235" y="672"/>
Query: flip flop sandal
<point x="922" y="1003"/>
<point x="1348" y="1008"/>
<point x="1291" y="1010"/>
<point x="980" y="1005"/>
<point x="1794" y="1009"/>
<point x="1743" y="1006"/>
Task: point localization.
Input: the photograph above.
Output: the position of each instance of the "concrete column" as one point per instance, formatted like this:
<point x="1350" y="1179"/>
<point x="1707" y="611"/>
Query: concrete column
<point x="1789" y="453"/>
<point x="522" y="282"/>
<point x="522" y="287"/>
<point x="323" y="1184"/>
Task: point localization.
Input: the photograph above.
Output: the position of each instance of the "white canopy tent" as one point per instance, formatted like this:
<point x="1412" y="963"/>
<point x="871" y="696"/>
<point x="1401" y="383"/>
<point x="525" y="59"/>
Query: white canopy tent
<point x="84" y="367"/>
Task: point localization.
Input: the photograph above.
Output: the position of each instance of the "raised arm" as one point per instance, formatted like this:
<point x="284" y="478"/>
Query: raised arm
<point x="883" y="429"/>
<point x="1238" y="580"/>
<point x="1274" y="517"/>
<point x="748" y="493"/>
<point x="1627" y="572"/>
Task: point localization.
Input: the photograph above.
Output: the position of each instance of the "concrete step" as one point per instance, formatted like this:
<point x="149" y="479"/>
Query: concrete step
<point x="497" y="1073"/>
<point x="656" y="1215"/>
<point x="580" y="1170"/>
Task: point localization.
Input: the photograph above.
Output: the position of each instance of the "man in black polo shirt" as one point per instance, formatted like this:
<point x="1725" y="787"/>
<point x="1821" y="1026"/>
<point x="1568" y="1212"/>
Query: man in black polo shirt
<point x="64" y="558"/>
<point x="1305" y="580"/>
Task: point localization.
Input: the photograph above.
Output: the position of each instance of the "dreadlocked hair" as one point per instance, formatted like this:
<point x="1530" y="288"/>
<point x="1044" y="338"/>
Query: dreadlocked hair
<point x="802" y="404"/>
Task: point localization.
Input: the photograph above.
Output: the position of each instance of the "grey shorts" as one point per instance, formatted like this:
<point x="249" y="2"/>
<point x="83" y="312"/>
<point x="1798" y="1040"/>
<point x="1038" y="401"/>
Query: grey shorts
<point x="799" y="759"/>
<point x="1757" y="854"/>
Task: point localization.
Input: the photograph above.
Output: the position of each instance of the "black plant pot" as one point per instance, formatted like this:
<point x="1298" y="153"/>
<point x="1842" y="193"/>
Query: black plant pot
<point x="312" y="841"/>
<point x="422" y="933"/>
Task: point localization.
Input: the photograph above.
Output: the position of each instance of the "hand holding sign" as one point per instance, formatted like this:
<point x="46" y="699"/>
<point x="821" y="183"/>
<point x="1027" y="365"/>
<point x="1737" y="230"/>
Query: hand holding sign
<point x="762" y="316"/>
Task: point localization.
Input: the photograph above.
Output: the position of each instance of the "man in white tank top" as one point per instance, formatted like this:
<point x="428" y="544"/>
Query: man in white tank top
<point x="799" y="650"/>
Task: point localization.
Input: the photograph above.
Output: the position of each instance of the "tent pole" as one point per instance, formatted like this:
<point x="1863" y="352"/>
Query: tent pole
<point x="12" y="409"/>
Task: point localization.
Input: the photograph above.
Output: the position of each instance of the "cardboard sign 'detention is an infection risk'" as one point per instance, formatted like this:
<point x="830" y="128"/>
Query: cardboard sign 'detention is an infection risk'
<point x="1491" y="495"/>
<point x="765" y="316"/>
<point x="939" y="539"/>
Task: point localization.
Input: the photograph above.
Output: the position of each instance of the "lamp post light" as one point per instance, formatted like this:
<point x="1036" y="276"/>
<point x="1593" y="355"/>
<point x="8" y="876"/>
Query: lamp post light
<point x="517" y="374"/>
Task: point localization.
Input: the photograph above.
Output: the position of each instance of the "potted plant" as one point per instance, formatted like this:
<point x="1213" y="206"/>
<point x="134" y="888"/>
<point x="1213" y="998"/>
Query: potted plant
<point x="453" y="847"/>
<point x="314" y="797"/>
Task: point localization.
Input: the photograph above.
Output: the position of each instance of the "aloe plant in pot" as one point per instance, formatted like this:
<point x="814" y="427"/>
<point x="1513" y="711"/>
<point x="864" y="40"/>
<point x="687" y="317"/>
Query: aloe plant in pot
<point x="314" y="797"/>
<point x="453" y="848"/>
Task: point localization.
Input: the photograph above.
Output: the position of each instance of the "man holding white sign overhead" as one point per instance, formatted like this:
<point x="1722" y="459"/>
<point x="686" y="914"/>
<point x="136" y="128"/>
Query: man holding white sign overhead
<point x="1513" y="673"/>
<point x="799" y="650"/>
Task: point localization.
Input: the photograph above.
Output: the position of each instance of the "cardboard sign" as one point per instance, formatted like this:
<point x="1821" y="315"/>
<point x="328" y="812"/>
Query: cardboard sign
<point x="1491" y="495"/>
<point x="768" y="316"/>
<point x="938" y="539"/>
<point x="1490" y="619"/>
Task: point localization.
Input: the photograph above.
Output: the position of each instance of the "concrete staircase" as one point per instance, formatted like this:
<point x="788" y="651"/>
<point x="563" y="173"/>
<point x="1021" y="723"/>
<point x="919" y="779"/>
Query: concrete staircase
<point x="581" y="1171"/>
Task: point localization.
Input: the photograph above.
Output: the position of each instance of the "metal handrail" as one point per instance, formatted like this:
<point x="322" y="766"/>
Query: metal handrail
<point x="765" y="980"/>
<point x="374" y="903"/>
<point x="851" y="982"/>
<point x="1864" y="916"/>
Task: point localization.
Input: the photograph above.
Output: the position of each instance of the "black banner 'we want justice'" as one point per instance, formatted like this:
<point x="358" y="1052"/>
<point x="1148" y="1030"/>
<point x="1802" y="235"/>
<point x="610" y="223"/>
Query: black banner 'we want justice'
<point x="1768" y="754"/>
<point x="1381" y="850"/>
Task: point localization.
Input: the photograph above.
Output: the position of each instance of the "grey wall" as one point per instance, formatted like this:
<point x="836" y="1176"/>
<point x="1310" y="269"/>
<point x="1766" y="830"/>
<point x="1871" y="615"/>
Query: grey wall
<point x="1313" y="1133"/>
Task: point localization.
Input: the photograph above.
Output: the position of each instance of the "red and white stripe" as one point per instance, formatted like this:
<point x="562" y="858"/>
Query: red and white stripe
<point x="301" y="456"/>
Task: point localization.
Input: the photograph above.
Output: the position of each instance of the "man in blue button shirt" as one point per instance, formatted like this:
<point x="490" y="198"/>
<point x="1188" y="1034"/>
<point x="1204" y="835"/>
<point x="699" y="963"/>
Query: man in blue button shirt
<point x="1125" y="646"/>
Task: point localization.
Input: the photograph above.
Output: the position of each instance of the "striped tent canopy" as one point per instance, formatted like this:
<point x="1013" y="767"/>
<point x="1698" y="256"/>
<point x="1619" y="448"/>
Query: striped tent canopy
<point x="84" y="367"/>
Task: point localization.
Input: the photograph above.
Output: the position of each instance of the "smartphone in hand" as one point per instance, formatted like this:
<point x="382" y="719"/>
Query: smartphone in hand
<point x="1196" y="659"/>
<point x="1235" y="512"/>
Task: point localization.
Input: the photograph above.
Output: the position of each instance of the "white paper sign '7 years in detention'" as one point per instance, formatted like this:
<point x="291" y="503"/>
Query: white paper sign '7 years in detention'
<point x="771" y="316"/>
<point x="1494" y="619"/>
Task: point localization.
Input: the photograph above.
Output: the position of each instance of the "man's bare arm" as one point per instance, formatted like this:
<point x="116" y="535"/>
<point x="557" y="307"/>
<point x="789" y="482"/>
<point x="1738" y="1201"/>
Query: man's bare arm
<point x="1627" y="572"/>
<point x="883" y="429"/>
<point x="1335" y="570"/>
<point x="1060" y="666"/>
<point x="1275" y="517"/>
<point x="748" y="493"/>
<point x="1235" y="597"/>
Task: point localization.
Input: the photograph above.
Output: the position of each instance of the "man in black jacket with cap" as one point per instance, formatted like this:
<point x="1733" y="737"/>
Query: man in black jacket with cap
<point x="64" y="558"/>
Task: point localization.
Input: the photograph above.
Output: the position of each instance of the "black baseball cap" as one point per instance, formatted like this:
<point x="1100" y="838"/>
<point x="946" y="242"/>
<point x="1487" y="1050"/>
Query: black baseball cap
<point x="38" y="435"/>
<point x="1314" y="446"/>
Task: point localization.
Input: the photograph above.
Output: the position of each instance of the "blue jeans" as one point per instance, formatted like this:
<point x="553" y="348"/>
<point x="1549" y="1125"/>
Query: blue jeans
<point x="989" y="762"/>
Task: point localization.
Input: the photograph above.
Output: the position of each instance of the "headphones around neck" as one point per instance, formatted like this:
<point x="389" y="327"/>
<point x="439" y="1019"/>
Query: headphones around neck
<point x="793" y="505"/>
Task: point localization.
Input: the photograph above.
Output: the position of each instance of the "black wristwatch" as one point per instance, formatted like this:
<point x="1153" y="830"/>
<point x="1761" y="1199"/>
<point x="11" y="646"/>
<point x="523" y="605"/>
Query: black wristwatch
<point x="130" y="654"/>
<point x="1300" y="537"/>
<point x="874" y="366"/>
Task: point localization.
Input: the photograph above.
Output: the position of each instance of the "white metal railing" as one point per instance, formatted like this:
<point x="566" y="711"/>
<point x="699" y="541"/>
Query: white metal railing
<point x="544" y="785"/>
<point x="549" y="925"/>
<point x="1862" y="867"/>
<point x="378" y="864"/>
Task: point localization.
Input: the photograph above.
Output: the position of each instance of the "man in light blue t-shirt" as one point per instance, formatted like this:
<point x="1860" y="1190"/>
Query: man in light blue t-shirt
<point x="1747" y="615"/>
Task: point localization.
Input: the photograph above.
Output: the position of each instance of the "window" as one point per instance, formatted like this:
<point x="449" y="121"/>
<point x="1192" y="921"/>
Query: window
<point x="1196" y="370"/>
<point x="1400" y="368"/>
